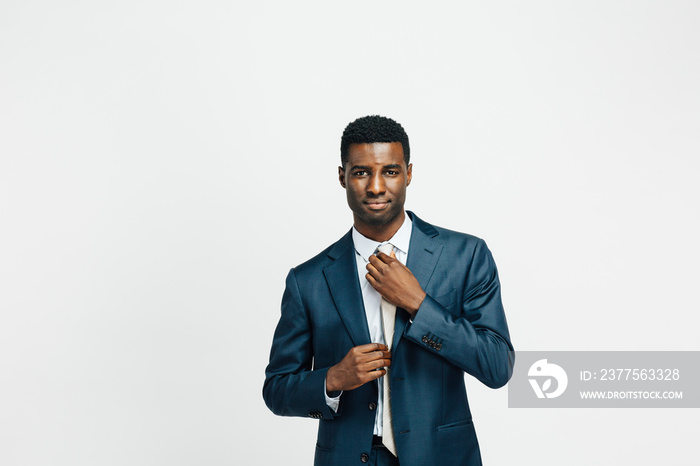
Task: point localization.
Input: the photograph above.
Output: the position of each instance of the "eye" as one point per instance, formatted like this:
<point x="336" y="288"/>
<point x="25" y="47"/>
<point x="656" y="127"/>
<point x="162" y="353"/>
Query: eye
<point x="391" y="172"/>
<point x="359" y="173"/>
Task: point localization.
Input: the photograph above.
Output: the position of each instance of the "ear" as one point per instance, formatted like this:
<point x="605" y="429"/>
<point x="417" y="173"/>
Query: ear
<point x="409" y="173"/>
<point x="341" y="176"/>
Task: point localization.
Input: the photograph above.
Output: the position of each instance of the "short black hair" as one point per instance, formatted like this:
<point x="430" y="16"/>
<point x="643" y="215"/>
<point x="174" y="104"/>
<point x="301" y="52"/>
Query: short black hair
<point x="373" y="128"/>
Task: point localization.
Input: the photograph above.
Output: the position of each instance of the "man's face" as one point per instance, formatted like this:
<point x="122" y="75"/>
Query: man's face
<point x="375" y="180"/>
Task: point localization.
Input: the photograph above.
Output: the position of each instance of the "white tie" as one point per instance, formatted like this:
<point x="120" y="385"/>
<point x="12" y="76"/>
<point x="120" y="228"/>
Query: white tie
<point x="388" y="319"/>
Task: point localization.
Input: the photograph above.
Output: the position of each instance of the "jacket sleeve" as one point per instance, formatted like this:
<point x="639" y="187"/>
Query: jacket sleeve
<point x="476" y="339"/>
<point x="292" y="386"/>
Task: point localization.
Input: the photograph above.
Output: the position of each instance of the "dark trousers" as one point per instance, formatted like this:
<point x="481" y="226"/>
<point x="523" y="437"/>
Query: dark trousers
<point x="382" y="457"/>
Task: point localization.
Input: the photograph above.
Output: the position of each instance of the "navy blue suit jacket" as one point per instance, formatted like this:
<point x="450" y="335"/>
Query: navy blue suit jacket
<point x="460" y="327"/>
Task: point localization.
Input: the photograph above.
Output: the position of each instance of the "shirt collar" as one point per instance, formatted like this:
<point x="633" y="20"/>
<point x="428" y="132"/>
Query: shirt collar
<point x="365" y="247"/>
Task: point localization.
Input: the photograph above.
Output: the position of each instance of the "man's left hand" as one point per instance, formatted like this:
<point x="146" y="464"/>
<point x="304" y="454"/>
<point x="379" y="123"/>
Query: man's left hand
<point x="395" y="282"/>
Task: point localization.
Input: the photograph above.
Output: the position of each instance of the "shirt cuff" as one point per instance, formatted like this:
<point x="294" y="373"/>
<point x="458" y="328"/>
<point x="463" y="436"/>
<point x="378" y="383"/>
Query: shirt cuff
<point x="332" y="402"/>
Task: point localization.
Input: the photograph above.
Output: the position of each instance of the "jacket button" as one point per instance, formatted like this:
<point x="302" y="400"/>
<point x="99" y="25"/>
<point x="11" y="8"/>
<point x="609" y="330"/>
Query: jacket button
<point x="438" y="346"/>
<point x="364" y="457"/>
<point x="425" y="339"/>
<point x="372" y="406"/>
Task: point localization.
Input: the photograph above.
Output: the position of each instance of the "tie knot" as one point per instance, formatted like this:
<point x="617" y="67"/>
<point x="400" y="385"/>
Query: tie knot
<point x="386" y="248"/>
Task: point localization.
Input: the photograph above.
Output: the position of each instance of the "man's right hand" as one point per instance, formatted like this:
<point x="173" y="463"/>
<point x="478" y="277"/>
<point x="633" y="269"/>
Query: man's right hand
<point x="361" y="365"/>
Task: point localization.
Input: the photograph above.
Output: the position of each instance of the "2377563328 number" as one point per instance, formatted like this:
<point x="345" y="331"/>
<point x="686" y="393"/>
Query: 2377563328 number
<point x="639" y="374"/>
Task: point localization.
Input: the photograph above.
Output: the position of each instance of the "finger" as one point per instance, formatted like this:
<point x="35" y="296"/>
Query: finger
<point x="371" y="361"/>
<point x="385" y="258"/>
<point x="381" y="289"/>
<point x="372" y="281"/>
<point x="376" y="364"/>
<point x="373" y="375"/>
<point x="383" y="362"/>
<point x="375" y="261"/>
<point x="368" y="357"/>
<point x="372" y="347"/>
<point x="377" y="355"/>
<point x="372" y="268"/>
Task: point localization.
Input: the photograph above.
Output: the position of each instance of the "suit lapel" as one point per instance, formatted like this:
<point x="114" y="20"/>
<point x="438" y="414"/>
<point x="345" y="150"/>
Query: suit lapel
<point x="424" y="251"/>
<point x="344" y="285"/>
<point x="423" y="254"/>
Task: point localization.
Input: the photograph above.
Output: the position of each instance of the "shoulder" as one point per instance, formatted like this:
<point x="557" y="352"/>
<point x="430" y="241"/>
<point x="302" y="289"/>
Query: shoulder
<point x="450" y="238"/>
<point x="325" y="257"/>
<point x="458" y="251"/>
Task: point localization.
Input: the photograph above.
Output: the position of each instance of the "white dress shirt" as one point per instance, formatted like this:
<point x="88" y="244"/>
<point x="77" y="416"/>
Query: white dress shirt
<point x="364" y="248"/>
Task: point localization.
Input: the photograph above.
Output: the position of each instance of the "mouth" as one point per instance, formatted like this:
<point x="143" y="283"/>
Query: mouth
<point x="377" y="204"/>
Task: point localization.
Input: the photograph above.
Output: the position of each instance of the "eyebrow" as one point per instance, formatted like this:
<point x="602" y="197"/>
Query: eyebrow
<point x="364" y="167"/>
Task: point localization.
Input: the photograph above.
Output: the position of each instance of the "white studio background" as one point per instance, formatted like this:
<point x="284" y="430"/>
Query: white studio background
<point x="164" y="163"/>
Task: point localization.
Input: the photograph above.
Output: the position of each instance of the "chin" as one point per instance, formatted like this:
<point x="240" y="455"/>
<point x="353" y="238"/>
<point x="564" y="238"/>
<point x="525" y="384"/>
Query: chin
<point x="383" y="218"/>
<point x="377" y="221"/>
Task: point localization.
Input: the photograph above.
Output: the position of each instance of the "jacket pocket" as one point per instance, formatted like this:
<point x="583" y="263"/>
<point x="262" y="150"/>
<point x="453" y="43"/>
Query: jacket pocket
<point x="324" y="446"/>
<point x="457" y="440"/>
<point x="454" y="425"/>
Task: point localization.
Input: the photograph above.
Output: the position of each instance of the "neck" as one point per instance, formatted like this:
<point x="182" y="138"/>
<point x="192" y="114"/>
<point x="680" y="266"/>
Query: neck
<point x="380" y="233"/>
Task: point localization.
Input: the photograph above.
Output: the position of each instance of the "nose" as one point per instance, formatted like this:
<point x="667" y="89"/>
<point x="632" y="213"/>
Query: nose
<point x="375" y="185"/>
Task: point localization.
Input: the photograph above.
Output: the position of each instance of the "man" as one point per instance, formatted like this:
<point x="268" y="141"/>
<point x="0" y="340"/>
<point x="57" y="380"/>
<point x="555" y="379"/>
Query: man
<point x="388" y="399"/>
